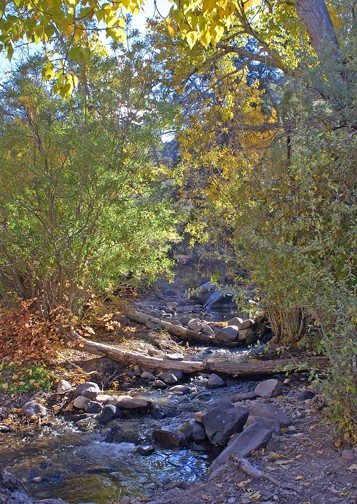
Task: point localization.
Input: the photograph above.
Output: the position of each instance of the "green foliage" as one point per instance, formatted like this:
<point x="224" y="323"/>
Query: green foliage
<point x="83" y="205"/>
<point x="16" y="378"/>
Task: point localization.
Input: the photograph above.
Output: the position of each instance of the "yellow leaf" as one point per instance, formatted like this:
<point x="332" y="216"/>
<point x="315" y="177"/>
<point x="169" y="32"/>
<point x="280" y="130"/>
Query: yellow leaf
<point x="353" y="467"/>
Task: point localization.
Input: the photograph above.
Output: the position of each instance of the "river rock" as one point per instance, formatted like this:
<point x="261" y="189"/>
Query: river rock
<point x="169" y="439"/>
<point x="269" y="388"/>
<point x="63" y="387"/>
<point x="195" y="325"/>
<point x="107" y="413"/>
<point x="145" y="450"/>
<point x="181" y="389"/>
<point x="131" y="403"/>
<point x="33" y="408"/>
<point x="235" y="321"/>
<point x="223" y="420"/>
<point x="241" y="445"/>
<point x="215" y="381"/>
<point x="88" y="389"/>
<point x="193" y="432"/>
<point x="305" y="395"/>
<point x="4" y="428"/>
<point x="103" y="398"/>
<point x="207" y="329"/>
<point x="170" y="377"/>
<point x="270" y="412"/>
<point x="157" y="413"/>
<point x="245" y="324"/>
<point x="228" y="333"/>
<point x="244" y="396"/>
<point x="146" y="375"/>
<point x="80" y="402"/>
<point x="93" y="407"/>
<point x="159" y="384"/>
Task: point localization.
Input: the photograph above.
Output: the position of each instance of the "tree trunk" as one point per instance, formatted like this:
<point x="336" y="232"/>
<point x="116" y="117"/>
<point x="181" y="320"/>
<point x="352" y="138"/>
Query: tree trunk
<point x="235" y="366"/>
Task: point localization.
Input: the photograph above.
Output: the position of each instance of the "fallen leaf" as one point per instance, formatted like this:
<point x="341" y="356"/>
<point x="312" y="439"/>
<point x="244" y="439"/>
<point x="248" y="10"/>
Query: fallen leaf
<point x="242" y="484"/>
<point x="299" y="477"/>
<point x="338" y="442"/>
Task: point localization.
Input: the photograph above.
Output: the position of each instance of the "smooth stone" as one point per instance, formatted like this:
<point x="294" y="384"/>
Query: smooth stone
<point x="195" y="325"/>
<point x="246" y="324"/>
<point x="207" y="329"/>
<point x="103" y="398"/>
<point x="235" y="321"/>
<point x="215" y="381"/>
<point x="93" y="390"/>
<point x="305" y="395"/>
<point x="228" y="333"/>
<point x="181" y="389"/>
<point x="80" y="402"/>
<point x="128" y="402"/>
<point x="151" y="325"/>
<point x="193" y="432"/>
<point x="63" y="386"/>
<point x="4" y="429"/>
<point x="157" y="413"/>
<point x="244" y="396"/>
<point x="168" y="377"/>
<point x="93" y="407"/>
<point x="348" y="455"/>
<point x="159" y="384"/>
<point x="145" y="450"/>
<point x="223" y="420"/>
<point x="146" y="375"/>
<point x="269" y="388"/>
<point x="107" y="413"/>
<point x="169" y="439"/>
<point x="33" y="408"/>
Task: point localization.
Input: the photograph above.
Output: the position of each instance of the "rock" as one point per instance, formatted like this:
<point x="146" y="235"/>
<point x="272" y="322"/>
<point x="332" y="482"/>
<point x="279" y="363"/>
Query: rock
<point x="228" y="333"/>
<point x="244" y="396"/>
<point x="145" y="450"/>
<point x="215" y="381"/>
<point x="193" y="432"/>
<point x="170" y="377"/>
<point x="151" y="325"/>
<point x="223" y="420"/>
<point x="185" y="319"/>
<point x="80" y="402"/>
<point x="103" y="398"/>
<point x="146" y="375"/>
<point x="268" y="423"/>
<point x="207" y="329"/>
<point x="269" y="411"/>
<point x="199" y="416"/>
<point x="195" y="325"/>
<point x="131" y="403"/>
<point x="305" y="395"/>
<point x="33" y="408"/>
<point x="181" y="389"/>
<point x="4" y="428"/>
<point x="348" y="455"/>
<point x="235" y="321"/>
<point x="88" y="389"/>
<point x="155" y="313"/>
<point x="93" y="407"/>
<point x="269" y="388"/>
<point x="241" y="445"/>
<point x="169" y="439"/>
<point x="245" y="324"/>
<point x="157" y="413"/>
<point x="247" y="336"/>
<point x="63" y="387"/>
<point x="107" y="413"/>
<point x="159" y="384"/>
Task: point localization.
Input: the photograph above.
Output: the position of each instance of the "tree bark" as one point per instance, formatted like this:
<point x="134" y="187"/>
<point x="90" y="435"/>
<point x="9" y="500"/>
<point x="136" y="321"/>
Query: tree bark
<point x="235" y="366"/>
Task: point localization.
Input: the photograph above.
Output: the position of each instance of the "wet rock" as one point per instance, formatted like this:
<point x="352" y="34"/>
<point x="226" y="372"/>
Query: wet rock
<point x="270" y="412"/>
<point x="244" y="396"/>
<point x="185" y="319"/>
<point x="33" y="408"/>
<point x="145" y="450"/>
<point x="305" y="395"/>
<point x="131" y="403"/>
<point x="63" y="387"/>
<point x="80" y="402"/>
<point x="157" y="413"/>
<point x="169" y="439"/>
<point x="223" y="420"/>
<point x="228" y="333"/>
<point x="170" y="377"/>
<point x="241" y="445"/>
<point x="93" y="407"/>
<point x="88" y="389"/>
<point x="269" y="388"/>
<point x="181" y="389"/>
<point x="207" y="329"/>
<point x="193" y="432"/>
<point x="103" y="398"/>
<point x="215" y="381"/>
<point x="4" y="428"/>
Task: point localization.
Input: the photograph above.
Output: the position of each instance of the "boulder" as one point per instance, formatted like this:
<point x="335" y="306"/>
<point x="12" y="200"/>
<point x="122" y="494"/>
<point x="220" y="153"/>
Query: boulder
<point x="88" y="389"/>
<point x="269" y="388"/>
<point x="169" y="439"/>
<point x="270" y="412"/>
<point x="241" y="445"/>
<point x="33" y="408"/>
<point x="215" y="381"/>
<point x="223" y="420"/>
<point x="228" y="333"/>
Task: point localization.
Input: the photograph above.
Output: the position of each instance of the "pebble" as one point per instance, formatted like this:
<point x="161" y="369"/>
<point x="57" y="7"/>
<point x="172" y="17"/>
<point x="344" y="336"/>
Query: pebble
<point x="348" y="455"/>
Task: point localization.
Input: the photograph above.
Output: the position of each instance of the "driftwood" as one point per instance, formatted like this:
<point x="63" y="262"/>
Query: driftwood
<point x="179" y="331"/>
<point x="235" y="366"/>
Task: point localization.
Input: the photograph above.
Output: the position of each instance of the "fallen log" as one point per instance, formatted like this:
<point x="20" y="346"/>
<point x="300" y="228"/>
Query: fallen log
<point x="236" y="366"/>
<point x="177" y="330"/>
